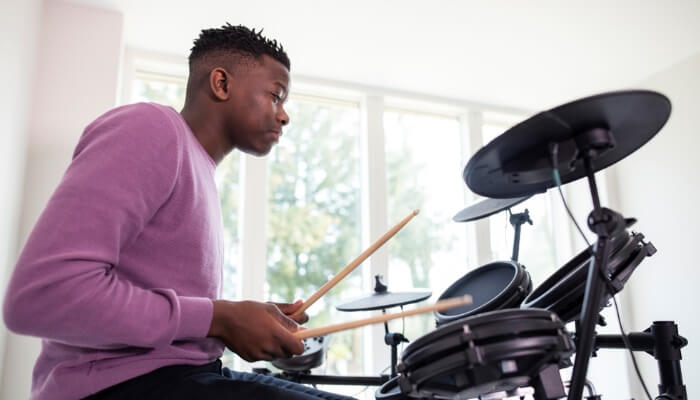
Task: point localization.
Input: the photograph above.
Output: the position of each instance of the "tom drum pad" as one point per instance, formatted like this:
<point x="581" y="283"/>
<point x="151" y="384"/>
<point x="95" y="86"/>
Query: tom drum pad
<point x="494" y="286"/>
<point x="563" y="292"/>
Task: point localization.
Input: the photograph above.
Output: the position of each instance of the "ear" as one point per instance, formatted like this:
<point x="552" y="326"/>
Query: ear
<point x="219" y="83"/>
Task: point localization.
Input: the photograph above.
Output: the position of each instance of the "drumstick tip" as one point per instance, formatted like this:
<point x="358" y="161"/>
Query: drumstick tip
<point x="460" y="301"/>
<point x="415" y="212"/>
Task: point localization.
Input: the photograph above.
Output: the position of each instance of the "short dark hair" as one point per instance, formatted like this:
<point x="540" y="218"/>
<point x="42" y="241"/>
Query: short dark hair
<point x="239" y="40"/>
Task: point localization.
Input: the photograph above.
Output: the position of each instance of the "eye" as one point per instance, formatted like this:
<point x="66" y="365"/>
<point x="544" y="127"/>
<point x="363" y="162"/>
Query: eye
<point x="276" y="98"/>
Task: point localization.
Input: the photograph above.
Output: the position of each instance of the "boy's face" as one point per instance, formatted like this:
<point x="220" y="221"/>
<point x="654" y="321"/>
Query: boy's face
<point x="256" y="107"/>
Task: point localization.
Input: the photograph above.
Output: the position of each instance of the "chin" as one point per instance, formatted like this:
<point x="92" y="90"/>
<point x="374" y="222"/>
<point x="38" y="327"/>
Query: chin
<point x="257" y="152"/>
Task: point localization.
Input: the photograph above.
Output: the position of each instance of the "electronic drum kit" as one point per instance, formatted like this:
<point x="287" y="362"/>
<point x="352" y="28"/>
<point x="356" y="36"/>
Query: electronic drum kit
<point x="512" y="340"/>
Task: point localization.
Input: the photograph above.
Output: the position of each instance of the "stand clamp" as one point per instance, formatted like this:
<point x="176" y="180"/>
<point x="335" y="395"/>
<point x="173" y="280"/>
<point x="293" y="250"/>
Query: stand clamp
<point x="393" y="340"/>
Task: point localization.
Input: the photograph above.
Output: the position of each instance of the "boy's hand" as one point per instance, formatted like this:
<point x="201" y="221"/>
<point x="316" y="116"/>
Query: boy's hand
<point x="254" y="330"/>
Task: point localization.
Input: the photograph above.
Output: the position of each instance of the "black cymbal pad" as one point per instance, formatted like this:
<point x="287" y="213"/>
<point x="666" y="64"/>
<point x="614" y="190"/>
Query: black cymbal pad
<point x="518" y="162"/>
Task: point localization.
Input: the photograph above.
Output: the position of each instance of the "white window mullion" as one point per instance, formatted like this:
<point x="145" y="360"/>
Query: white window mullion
<point x="252" y="228"/>
<point x="466" y="120"/>
<point x="374" y="217"/>
<point x="475" y="120"/>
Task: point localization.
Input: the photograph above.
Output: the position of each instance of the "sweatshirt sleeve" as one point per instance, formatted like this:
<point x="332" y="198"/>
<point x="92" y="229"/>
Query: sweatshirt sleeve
<point x="66" y="285"/>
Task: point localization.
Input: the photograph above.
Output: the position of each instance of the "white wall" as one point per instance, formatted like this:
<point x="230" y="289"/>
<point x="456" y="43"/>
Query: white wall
<point x="75" y="79"/>
<point x="658" y="184"/>
<point x="19" y="25"/>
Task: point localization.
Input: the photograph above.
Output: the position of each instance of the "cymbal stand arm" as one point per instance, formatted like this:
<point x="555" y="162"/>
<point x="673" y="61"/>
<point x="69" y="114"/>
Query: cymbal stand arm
<point x="517" y="220"/>
<point x="386" y="323"/>
<point x="393" y="339"/>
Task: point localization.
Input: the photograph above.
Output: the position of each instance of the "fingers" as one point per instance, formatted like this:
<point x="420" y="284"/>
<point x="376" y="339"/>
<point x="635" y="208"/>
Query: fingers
<point x="300" y="319"/>
<point x="288" y="323"/>
<point x="279" y="351"/>
<point x="290" y="345"/>
<point x="287" y="353"/>
<point x="273" y="350"/>
<point x="267" y="334"/>
<point x="290" y="308"/>
<point x="271" y="355"/>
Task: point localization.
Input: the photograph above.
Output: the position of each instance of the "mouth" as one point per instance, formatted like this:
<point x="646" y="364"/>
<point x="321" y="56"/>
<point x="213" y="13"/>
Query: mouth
<point x="275" y="135"/>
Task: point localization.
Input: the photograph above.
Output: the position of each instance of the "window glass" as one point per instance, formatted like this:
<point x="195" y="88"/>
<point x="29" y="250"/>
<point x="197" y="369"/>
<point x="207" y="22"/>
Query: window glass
<point x="314" y="220"/>
<point x="159" y="88"/>
<point x="424" y="165"/>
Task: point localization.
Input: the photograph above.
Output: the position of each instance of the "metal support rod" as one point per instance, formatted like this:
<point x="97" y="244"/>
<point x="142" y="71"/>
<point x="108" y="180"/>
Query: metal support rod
<point x="517" y="220"/>
<point x="393" y="359"/>
<point x="387" y="339"/>
<point x="590" y="175"/>
<point x="386" y="323"/>
<point x="640" y="341"/>
<point x="594" y="290"/>
<point x="516" y="243"/>
<point x="667" y="351"/>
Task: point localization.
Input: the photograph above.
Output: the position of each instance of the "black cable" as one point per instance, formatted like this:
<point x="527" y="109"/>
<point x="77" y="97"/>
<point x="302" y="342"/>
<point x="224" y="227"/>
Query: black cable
<point x="554" y="158"/>
<point x="403" y="328"/>
<point x="364" y="389"/>
<point x="403" y="331"/>
<point x="625" y="339"/>
<point x="628" y="344"/>
<point x="561" y="194"/>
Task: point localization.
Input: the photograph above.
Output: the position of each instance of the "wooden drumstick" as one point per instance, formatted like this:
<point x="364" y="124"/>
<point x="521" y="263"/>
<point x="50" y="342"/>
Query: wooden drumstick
<point x="350" y="267"/>
<point x="439" y="306"/>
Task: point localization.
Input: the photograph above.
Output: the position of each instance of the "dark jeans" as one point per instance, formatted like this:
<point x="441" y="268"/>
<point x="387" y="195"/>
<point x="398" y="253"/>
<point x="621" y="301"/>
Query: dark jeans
<point x="210" y="381"/>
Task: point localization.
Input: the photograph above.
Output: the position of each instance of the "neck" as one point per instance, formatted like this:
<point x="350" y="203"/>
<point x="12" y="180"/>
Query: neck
<point x="206" y="129"/>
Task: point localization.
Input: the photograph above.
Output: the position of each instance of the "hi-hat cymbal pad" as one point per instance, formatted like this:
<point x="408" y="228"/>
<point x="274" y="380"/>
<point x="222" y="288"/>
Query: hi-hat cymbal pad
<point x="384" y="300"/>
<point x="486" y="208"/>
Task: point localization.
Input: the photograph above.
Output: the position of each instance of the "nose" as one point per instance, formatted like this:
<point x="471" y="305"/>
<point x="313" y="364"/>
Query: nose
<point x="283" y="117"/>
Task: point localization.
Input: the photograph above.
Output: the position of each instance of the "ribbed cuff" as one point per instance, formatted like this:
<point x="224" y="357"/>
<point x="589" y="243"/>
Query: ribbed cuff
<point x="195" y="317"/>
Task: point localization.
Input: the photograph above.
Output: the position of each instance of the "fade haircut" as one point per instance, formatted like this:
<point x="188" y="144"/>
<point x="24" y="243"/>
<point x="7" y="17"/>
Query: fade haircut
<point x="235" y="40"/>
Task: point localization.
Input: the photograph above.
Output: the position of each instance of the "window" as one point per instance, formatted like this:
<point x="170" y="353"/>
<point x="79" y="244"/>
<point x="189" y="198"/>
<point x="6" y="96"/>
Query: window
<point x="314" y="218"/>
<point x="424" y="160"/>
<point x="159" y="88"/>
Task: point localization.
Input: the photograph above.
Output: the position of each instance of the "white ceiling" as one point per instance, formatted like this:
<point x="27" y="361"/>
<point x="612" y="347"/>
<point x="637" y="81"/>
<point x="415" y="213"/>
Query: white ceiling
<point x="529" y="54"/>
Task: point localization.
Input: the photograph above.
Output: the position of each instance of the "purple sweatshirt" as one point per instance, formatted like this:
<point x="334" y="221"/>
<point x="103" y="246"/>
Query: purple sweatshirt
<point x="118" y="274"/>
